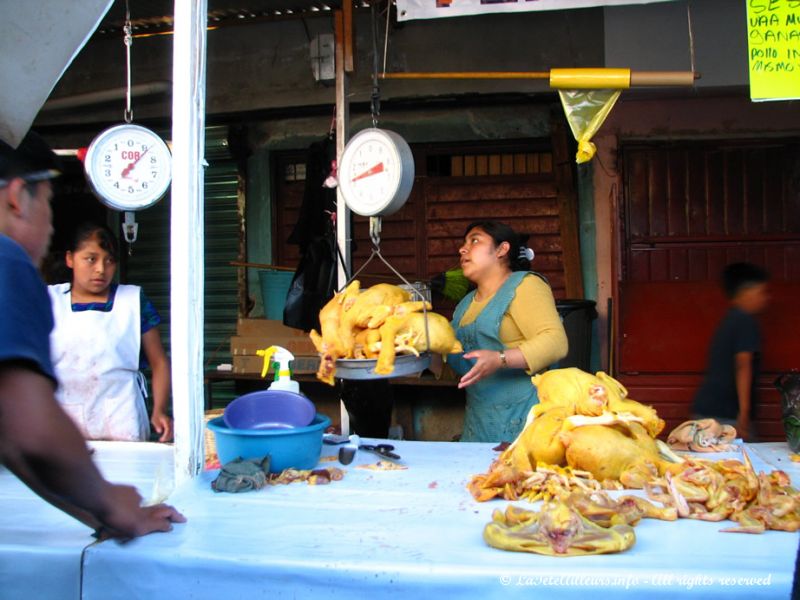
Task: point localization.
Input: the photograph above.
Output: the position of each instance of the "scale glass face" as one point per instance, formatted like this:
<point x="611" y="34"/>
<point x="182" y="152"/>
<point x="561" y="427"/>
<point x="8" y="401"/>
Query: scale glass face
<point x="376" y="172"/>
<point x="129" y="167"/>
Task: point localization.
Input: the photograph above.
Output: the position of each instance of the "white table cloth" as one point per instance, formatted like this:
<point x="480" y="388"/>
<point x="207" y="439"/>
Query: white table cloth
<point x="417" y="534"/>
<point x="41" y="548"/>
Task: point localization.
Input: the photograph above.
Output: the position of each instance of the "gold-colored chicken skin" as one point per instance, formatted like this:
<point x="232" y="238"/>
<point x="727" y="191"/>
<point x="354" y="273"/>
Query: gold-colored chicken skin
<point x="330" y="344"/>
<point x="557" y="530"/>
<point x="616" y="447"/>
<point x="367" y="344"/>
<point x="730" y="489"/>
<point x="622" y="452"/>
<point x="378" y="322"/>
<point x="568" y="399"/>
<point x="369" y="309"/>
<point x="590" y="395"/>
<point x="580" y="392"/>
<point x="601" y="509"/>
<point x="408" y="333"/>
<point x="619" y="403"/>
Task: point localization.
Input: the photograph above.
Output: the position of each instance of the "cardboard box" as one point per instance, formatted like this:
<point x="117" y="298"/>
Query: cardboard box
<point x="248" y="346"/>
<point x="255" y="334"/>
<point x="253" y="364"/>
<point x="266" y="327"/>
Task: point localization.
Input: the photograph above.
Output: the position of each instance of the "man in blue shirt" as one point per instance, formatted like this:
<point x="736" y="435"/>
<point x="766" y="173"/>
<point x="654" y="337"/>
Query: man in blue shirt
<point x="38" y="441"/>
<point x="728" y="392"/>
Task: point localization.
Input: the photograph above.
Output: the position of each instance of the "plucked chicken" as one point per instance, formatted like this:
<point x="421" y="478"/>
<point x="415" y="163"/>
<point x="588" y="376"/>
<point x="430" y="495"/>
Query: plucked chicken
<point x="569" y="399"/>
<point x="585" y="422"/>
<point x="378" y="322"/>
<point x="557" y="530"/>
<point x="407" y="334"/>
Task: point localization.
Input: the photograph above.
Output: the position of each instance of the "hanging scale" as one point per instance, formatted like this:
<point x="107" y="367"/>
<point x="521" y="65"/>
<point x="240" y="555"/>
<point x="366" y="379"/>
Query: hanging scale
<point x="129" y="167"/>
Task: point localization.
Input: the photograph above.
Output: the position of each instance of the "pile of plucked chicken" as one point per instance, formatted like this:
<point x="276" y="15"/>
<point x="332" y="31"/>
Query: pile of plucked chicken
<point x="584" y="437"/>
<point x="378" y="323"/>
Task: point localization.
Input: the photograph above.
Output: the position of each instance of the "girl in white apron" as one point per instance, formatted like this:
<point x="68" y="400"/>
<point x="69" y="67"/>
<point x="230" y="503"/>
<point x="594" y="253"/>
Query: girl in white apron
<point x="100" y="330"/>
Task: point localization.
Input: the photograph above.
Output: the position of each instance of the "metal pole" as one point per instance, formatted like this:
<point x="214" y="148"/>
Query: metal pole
<point x="582" y="78"/>
<point x="186" y="239"/>
<point x="342" y="134"/>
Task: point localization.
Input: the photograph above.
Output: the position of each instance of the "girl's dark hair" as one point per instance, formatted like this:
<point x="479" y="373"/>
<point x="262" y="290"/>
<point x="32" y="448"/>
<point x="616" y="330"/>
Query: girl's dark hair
<point x="89" y="230"/>
<point x="500" y="232"/>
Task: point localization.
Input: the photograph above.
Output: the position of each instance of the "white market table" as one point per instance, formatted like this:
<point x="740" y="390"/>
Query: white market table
<point x="41" y="548"/>
<point x="417" y="534"/>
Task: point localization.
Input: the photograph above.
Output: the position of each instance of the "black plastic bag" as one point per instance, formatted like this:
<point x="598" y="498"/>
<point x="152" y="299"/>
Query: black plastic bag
<point x="313" y="284"/>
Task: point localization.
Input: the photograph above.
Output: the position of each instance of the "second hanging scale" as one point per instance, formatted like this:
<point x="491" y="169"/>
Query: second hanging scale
<point x="376" y="174"/>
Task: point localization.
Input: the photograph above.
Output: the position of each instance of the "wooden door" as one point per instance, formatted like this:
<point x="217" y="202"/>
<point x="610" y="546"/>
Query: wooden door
<point x="515" y="182"/>
<point x="689" y="209"/>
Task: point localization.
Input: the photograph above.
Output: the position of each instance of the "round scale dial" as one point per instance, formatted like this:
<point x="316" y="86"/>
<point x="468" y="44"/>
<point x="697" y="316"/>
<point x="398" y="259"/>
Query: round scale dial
<point x="129" y="167"/>
<point x="376" y="172"/>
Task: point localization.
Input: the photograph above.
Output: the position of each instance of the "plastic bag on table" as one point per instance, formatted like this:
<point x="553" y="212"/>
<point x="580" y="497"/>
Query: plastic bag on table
<point x="789" y="386"/>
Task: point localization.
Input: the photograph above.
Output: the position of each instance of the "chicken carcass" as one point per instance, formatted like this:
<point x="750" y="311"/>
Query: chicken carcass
<point x="329" y="344"/>
<point x="570" y="398"/>
<point x="623" y="452"/>
<point x="378" y="322"/>
<point x="592" y="396"/>
<point x="557" y="530"/>
<point x="407" y="333"/>
<point x="369" y="309"/>
<point x="702" y="435"/>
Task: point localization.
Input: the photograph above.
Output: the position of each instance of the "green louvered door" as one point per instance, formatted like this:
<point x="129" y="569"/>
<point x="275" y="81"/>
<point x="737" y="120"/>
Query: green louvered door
<point x="148" y="265"/>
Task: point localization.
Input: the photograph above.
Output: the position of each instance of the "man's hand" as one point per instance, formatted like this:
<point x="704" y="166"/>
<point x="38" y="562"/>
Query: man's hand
<point x="129" y="519"/>
<point x="41" y="445"/>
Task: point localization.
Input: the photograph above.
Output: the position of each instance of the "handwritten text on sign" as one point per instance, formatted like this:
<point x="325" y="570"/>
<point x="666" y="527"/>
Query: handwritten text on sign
<point x="773" y="36"/>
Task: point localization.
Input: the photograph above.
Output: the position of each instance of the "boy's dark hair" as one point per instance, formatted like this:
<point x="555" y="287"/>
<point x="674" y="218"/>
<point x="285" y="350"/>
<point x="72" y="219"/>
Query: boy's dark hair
<point x="32" y="160"/>
<point x="738" y="276"/>
<point x="500" y="232"/>
<point x="89" y="230"/>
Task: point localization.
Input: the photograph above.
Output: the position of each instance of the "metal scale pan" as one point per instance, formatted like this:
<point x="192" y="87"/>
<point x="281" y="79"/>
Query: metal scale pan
<point x="404" y="364"/>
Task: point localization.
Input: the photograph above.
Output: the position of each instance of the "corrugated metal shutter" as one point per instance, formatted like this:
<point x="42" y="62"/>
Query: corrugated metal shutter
<point x="148" y="265"/>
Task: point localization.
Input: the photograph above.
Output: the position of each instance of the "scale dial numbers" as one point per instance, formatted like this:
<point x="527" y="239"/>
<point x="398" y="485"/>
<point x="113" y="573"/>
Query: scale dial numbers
<point x="129" y="167"/>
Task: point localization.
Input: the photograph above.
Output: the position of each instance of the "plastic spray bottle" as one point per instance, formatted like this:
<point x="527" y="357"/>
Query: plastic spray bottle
<point x="283" y="374"/>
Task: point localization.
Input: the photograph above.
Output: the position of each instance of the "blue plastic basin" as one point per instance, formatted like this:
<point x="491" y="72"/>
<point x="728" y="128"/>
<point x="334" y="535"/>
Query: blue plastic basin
<point x="269" y="409"/>
<point x="297" y="448"/>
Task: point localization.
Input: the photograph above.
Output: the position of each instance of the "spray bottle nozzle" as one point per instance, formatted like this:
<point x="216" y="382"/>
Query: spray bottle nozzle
<point x="281" y="358"/>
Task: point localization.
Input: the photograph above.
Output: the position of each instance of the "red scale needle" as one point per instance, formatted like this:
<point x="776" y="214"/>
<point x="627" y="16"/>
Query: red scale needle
<point x="371" y="171"/>
<point x="126" y="171"/>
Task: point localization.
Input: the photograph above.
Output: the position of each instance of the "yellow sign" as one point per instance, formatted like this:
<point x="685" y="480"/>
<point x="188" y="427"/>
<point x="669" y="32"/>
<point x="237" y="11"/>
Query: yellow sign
<point x="773" y="40"/>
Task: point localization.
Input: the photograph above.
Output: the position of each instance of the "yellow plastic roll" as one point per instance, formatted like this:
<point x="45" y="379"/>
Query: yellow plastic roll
<point x="590" y="79"/>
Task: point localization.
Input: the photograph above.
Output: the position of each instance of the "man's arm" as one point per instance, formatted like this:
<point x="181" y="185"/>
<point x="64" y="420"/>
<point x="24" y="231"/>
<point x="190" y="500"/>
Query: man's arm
<point x="744" y="382"/>
<point x="40" y="444"/>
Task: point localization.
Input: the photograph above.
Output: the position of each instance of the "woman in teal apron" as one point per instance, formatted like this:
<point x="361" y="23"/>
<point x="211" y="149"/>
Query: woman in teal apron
<point x="509" y="327"/>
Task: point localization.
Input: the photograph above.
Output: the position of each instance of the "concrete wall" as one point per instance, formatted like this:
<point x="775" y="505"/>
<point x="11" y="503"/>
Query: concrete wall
<point x="656" y="37"/>
<point x="266" y="66"/>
